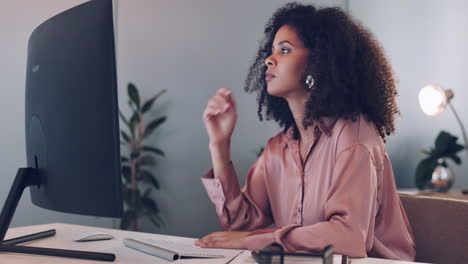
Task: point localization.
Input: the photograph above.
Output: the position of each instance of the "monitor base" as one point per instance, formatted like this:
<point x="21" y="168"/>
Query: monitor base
<point x="28" y="238"/>
<point x="26" y="177"/>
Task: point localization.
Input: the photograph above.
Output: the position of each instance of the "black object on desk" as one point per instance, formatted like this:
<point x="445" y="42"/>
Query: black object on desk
<point x="29" y="238"/>
<point x="274" y="252"/>
<point x="58" y="252"/>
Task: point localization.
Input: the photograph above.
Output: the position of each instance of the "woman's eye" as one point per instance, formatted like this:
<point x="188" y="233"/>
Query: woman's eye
<point x="284" y="51"/>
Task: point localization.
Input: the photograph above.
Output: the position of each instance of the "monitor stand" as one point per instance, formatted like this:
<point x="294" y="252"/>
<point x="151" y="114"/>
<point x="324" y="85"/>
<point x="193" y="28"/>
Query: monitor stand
<point x="26" y="177"/>
<point x="28" y="238"/>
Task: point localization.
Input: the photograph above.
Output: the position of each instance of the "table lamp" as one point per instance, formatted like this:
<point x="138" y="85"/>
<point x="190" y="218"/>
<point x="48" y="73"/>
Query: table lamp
<point x="433" y="100"/>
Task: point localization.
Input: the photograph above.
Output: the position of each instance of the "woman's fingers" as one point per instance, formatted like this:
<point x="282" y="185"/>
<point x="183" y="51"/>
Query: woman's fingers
<point x="226" y="93"/>
<point x="218" y="104"/>
<point x="216" y="236"/>
<point x="212" y="240"/>
<point x="215" y="244"/>
<point x="220" y="100"/>
<point x="228" y="239"/>
<point x="212" y="111"/>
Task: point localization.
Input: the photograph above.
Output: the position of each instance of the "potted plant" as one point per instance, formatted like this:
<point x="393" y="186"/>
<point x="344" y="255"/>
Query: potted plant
<point x="138" y="179"/>
<point x="433" y="171"/>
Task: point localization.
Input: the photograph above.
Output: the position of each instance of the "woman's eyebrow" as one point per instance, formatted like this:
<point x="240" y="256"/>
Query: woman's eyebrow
<point x="282" y="42"/>
<point x="285" y="41"/>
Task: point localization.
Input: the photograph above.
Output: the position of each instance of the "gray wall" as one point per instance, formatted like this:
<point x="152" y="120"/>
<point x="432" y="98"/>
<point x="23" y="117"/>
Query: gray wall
<point x="426" y="42"/>
<point x="191" y="48"/>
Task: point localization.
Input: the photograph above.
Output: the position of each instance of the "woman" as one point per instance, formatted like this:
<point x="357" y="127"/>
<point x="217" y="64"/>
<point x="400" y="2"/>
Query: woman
<point x="326" y="178"/>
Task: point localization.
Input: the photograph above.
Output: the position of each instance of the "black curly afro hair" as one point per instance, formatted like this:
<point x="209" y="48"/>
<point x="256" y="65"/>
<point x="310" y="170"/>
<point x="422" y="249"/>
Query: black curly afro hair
<point x="352" y="75"/>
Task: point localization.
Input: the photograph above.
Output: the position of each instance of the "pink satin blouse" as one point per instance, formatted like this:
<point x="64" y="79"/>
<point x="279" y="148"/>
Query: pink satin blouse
<point x="343" y="194"/>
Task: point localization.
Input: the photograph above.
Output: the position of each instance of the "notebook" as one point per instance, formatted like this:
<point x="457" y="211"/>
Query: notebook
<point x="174" y="249"/>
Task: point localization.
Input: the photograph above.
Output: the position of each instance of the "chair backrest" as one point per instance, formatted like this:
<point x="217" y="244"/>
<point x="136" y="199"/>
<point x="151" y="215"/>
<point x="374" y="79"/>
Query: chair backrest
<point x="440" y="228"/>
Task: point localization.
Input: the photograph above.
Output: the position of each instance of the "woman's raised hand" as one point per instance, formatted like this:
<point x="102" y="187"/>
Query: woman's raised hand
<point x="220" y="117"/>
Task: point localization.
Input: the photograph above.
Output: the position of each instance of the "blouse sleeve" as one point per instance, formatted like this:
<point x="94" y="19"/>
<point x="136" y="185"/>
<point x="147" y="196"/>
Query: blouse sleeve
<point x="238" y="209"/>
<point x="350" y="212"/>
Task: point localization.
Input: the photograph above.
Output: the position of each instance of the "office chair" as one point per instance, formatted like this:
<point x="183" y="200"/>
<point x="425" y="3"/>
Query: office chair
<point x="440" y="228"/>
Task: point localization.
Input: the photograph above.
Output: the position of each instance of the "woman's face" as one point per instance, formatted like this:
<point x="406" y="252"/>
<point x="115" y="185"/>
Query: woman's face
<point x="287" y="65"/>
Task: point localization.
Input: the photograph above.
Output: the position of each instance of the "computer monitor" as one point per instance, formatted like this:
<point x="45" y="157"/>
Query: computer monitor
<point x="71" y="117"/>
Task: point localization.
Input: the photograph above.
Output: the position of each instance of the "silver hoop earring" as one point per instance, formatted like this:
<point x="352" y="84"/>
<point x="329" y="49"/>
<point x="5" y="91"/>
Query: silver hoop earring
<point x="310" y="81"/>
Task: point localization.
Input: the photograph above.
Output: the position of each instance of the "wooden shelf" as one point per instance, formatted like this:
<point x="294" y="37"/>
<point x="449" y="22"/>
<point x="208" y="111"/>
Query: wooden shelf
<point x="452" y="194"/>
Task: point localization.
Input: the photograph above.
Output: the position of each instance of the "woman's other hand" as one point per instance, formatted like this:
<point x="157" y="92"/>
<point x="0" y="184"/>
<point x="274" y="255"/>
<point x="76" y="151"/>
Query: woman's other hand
<point x="230" y="239"/>
<point x="220" y="117"/>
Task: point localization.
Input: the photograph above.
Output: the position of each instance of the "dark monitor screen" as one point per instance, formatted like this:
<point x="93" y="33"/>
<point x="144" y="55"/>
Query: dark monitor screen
<point x="72" y="128"/>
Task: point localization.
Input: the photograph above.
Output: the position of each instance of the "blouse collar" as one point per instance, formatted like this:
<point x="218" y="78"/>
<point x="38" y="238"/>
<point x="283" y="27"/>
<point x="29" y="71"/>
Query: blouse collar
<point x="325" y="126"/>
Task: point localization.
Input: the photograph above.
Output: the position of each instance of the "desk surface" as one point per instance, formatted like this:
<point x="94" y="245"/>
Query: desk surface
<point x="451" y="194"/>
<point x="65" y="232"/>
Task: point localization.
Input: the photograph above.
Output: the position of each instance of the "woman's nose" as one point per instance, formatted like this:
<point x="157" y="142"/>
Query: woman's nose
<point x="270" y="61"/>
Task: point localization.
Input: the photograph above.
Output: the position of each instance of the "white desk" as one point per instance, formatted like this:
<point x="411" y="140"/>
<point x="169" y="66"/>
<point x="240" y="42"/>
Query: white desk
<point x="124" y="255"/>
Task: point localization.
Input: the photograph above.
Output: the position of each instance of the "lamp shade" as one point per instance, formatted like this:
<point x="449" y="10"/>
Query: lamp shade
<point x="433" y="99"/>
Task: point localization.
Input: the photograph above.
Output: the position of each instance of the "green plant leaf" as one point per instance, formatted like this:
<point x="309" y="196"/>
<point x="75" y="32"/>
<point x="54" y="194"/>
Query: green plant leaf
<point x="132" y="105"/>
<point x="124" y="119"/>
<point x="148" y="178"/>
<point x="446" y="146"/>
<point x="147" y="160"/>
<point x="424" y="172"/>
<point x="134" y="95"/>
<point x="149" y="204"/>
<point x="442" y="142"/>
<point x="148" y="104"/>
<point x="127" y="219"/>
<point x="135" y="154"/>
<point x="147" y="192"/>
<point x="151" y="208"/>
<point x="153" y="125"/>
<point x="454" y="148"/>
<point x="153" y="218"/>
<point x="153" y="150"/>
<point x="136" y="198"/>
<point x="127" y="194"/>
<point x="127" y="173"/>
<point x="425" y="152"/>
<point x="132" y="197"/>
<point x="125" y="136"/>
<point x="455" y="158"/>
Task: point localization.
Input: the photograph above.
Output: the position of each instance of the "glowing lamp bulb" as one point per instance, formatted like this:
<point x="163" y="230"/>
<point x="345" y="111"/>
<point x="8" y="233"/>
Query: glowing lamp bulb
<point x="433" y="99"/>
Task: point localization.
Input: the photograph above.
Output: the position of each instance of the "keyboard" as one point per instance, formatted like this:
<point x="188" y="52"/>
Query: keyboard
<point x="172" y="250"/>
<point x="184" y="248"/>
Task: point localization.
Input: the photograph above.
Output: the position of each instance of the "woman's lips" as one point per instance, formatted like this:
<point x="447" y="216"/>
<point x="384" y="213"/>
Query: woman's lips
<point x="269" y="76"/>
